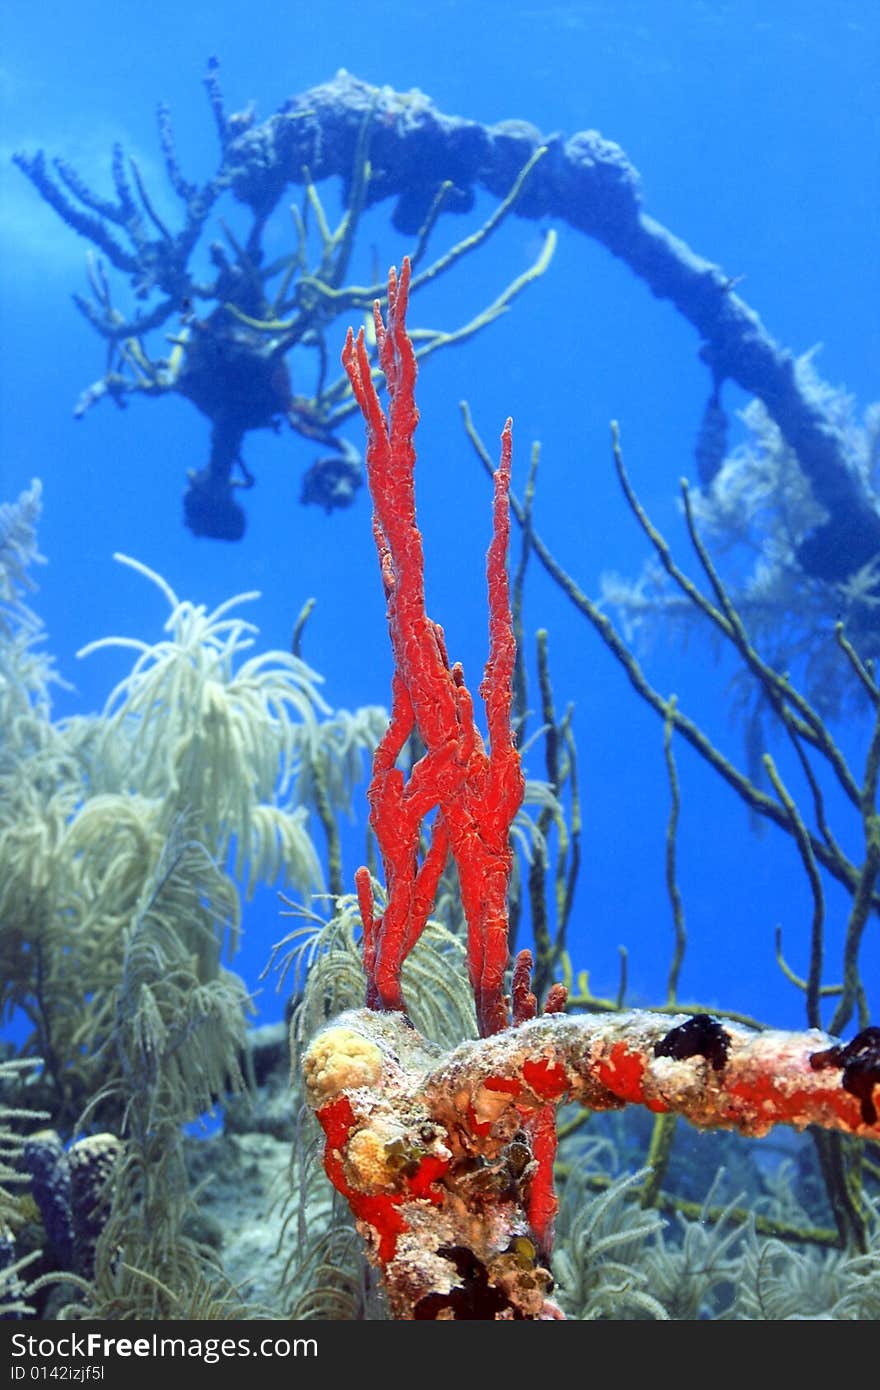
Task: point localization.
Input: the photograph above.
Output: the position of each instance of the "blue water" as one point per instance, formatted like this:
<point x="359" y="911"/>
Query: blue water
<point x="754" y="128"/>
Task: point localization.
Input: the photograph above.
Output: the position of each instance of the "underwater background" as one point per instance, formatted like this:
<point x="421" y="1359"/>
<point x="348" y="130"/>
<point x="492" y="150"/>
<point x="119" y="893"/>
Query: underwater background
<point x="753" y="128"/>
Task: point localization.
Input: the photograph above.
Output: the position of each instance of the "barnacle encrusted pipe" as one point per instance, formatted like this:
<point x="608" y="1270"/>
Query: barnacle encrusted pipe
<point x="437" y="1157"/>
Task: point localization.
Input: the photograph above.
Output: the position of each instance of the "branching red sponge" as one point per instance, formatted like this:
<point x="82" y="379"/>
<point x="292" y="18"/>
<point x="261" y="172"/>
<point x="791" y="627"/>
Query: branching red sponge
<point x="476" y="793"/>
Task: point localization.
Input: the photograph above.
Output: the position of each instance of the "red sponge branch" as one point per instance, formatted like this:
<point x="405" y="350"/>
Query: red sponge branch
<point x="476" y="793"/>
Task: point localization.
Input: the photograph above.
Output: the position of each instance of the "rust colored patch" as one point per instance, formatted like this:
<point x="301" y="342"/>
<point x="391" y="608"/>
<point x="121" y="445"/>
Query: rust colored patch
<point x="546" y="1078"/>
<point x="509" y="1086"/>
<point x="622" y="1072"/>
<point x="430" y="1168"/>
<point x="382" y="1213"/>
<point x="379" y="1211"/>
<point x="336" y="1120"/>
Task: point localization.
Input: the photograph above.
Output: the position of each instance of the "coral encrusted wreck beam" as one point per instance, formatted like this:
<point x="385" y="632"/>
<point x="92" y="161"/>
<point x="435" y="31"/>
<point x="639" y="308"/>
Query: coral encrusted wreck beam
<point x="434" y="1153"/>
